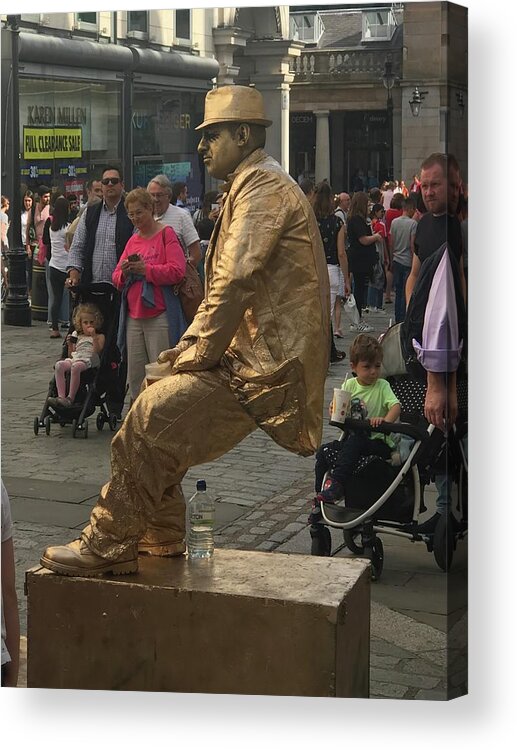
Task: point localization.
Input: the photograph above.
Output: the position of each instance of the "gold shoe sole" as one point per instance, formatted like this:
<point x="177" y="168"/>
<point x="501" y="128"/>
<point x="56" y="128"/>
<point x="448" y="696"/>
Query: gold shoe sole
<point x="121" y="568"/>
<point x="162" y="550"/>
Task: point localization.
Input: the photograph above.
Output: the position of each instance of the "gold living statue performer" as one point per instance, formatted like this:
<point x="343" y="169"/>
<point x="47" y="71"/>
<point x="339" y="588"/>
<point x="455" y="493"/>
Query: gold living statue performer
<point x="255" y="355"/>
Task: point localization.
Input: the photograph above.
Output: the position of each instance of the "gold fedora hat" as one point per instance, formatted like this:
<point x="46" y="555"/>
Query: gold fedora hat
<point x="234" y="104"/>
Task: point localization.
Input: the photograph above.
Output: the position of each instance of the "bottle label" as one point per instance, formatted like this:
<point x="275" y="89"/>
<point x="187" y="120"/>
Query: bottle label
<point x="204" y="518"/>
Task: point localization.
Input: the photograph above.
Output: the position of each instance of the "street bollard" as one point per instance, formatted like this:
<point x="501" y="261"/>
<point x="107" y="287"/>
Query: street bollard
<point x="17" y="311"/>
<point x="39" y="296"/>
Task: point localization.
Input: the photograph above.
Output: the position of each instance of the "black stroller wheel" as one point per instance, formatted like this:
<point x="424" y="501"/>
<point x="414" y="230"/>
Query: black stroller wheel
<point x="36" y="425"/>
<point x="443" y="542"/>
<point x="85" y="428"/>
<point x="112" y="422"/>
<point x="350" y="541"/>
<point x="321" y="542"/>
<point x="375" y="554"/>
<point x="74" y="428"/>
<point x="47" y="422"/>
<point x="377" y="559"/>
<point x="100" y="420"/>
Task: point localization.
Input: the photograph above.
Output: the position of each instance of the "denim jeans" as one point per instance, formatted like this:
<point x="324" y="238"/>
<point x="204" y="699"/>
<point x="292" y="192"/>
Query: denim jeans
<point x="375" y="297"/>
<point x="443" y="483"/>
<point x="64" y="308"/>
<point x="400" y="274"/>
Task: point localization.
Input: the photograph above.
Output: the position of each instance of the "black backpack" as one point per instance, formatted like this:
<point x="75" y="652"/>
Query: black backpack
<point x="413" y="324"/>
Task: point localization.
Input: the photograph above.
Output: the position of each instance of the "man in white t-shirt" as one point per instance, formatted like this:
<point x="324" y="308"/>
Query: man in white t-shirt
<point x="387" y="195"/>
<point x="160" y="190"/>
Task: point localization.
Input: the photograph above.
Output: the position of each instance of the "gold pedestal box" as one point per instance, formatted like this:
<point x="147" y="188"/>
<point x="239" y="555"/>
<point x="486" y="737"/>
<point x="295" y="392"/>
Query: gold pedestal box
<point x="253" y="623"/>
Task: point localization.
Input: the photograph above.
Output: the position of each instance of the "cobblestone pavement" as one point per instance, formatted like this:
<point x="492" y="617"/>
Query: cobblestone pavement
<point x="264" y="495"/>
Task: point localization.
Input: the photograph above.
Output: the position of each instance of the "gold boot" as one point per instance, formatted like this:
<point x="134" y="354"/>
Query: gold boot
<point x="77" y="559"/>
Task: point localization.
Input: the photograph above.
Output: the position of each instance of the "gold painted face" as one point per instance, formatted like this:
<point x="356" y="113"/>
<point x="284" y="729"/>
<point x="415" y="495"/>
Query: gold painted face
<point x="220" y="150"/>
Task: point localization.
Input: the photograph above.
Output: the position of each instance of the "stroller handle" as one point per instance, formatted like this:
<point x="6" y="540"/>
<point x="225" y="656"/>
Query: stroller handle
<point x="417" y="432"/>
<point x="101" y="287"/>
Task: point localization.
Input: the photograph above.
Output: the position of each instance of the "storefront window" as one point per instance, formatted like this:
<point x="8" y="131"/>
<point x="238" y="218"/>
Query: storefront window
<point x="164" y="139"/>
<point x="302" y="148"/>
<point x="69" y="131"/>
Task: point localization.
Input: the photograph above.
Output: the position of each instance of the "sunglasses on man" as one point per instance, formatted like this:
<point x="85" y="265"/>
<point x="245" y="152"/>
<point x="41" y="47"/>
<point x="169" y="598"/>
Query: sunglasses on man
<point x="110" y="180"/>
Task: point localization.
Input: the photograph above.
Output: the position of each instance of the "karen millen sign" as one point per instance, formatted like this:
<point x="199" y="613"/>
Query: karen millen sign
<point x="52" y="143"/>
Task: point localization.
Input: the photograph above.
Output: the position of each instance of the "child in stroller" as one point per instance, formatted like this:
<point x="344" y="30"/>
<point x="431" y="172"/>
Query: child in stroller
<point x="102" y="386"/>
<point x="376" y="399"/>
<point x="388" y="497"/>
<point x="84" y="347"/>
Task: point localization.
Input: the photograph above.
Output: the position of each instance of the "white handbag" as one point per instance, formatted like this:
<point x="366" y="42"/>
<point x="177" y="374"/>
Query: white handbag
<point x="351" y="309"/>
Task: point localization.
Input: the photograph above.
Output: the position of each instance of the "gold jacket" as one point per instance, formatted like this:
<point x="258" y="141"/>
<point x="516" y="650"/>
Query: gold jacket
<point x="265" y="317"/>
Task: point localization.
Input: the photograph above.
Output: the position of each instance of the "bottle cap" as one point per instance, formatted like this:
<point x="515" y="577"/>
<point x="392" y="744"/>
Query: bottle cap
<point x="200" y="485"/>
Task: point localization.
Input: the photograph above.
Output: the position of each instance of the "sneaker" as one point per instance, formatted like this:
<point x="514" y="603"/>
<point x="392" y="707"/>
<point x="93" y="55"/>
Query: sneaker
<point x="361" y="327"/>
<point x="333" y="491"/>
<point x="366" y="310"/>
<point x="428" y="526"/>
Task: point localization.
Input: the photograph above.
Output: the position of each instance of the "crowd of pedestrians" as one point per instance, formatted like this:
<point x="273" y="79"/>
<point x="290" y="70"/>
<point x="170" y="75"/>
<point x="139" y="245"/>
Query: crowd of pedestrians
<point x="138" y="242"/>
<point x="370" y="241"/>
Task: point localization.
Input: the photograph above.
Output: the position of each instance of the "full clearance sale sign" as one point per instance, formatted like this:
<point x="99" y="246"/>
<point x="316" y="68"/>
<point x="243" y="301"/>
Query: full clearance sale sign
<point x="52" y="143"/>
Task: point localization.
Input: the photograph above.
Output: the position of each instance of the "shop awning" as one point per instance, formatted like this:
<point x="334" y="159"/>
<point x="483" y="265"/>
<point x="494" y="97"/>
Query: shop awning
<point x="79" y="53"/>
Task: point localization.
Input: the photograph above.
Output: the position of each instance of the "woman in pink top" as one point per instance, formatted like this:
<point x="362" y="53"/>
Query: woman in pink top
<point x="151" y="318"/>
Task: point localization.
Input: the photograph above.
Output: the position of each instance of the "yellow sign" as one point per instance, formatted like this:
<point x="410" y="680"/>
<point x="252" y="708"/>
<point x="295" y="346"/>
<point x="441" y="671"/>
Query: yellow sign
<point x="52" y="143"/>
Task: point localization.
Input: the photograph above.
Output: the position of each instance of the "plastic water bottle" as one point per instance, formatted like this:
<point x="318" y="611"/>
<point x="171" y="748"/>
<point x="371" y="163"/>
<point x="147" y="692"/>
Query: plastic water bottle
<point x="201" y="514"/>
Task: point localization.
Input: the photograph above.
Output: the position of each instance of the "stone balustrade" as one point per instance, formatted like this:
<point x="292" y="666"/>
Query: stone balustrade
<point x="331" y="64"/>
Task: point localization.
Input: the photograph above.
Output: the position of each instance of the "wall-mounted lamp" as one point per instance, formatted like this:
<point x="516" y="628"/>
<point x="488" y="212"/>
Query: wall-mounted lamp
<point x="461" y="102"/>
<point x="416" y="101"/>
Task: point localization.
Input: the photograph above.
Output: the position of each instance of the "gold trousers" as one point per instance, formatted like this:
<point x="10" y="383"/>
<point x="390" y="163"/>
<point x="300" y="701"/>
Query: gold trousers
<point x="183" y="420"/>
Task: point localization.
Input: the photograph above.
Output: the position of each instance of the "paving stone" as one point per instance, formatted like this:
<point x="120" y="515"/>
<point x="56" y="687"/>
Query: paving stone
<point x="266" y="546"/>
<point x="431" y="695"/>
<point x="246" y="538"/>
<point x="294" y="528"/>
<point x="419" y="666"/>
<point x="256" y="514"/>
<point x="279" y="516"/>
<point x="384" y="662"/>
<point x="279" y="536"/>
<point x="267" y="524"/>
<point x="402" y="678"/>
<point x="386" y="689"/>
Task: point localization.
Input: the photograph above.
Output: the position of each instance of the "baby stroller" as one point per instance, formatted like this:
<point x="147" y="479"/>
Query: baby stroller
<point x="383" y="498"/>
<point x="101" y="387"/>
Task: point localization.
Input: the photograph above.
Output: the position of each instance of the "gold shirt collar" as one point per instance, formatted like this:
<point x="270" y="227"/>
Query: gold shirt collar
<point x="252" y="158"/>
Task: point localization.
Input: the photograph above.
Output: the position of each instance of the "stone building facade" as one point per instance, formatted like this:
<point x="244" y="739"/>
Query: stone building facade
<point x="127" y="87"/>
